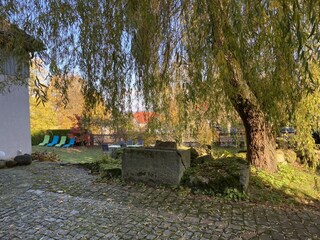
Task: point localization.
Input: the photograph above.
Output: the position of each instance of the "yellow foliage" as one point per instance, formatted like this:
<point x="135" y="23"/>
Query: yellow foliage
<point x="54" y="114"/>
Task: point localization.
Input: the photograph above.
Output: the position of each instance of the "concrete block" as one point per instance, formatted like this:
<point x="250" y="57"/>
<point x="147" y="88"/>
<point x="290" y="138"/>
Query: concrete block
<point x="185" y="157"/>
<point x="163" y="166"/>
<point x="245" y="177"/>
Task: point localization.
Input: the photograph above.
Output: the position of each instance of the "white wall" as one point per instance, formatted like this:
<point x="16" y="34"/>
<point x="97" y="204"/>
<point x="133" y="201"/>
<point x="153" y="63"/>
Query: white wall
<point x="15" y="121"/>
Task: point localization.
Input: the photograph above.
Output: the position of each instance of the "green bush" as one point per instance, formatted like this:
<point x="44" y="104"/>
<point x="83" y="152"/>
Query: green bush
<point x="309" y="157"/>
<point x="233" y="194"/>
<point x="216" y="175"/>
<point x="117" y="154"/>
<point x="107" y="159"/>
<point x="58" y="132"/>
<point x="37" y="136"/>
<point x="107" y="167"/>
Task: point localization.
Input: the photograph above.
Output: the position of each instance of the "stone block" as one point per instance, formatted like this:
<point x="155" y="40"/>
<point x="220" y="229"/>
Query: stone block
<point x="10" y="163"/>
<point x="166" y="144"/>
<point x="163" y="166"/>
<point x="280" y="157"/>
<point x="244" y="177"/>
<point x="2" y="164"/>
<point x="185" y="157"/>
<point x="290" y="156"/>
<point x="23" y="159"/>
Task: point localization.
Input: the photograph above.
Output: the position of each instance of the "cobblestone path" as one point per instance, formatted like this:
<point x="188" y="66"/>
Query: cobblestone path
<point x="50" y="201"/>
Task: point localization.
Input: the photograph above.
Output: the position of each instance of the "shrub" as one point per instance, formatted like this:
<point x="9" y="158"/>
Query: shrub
<point x="58" y="132"/>
<point x="308" y="156"/>
<point x="80" y="131"/>
<point x="233" y="194"/>
<point x="110" y="167"/>
<point x="107" y="159"/>
<point x="37" y="137"/>
<point x="216" y="175"/>
<point x="107" y="167"/>
<point x="117" y="154"/>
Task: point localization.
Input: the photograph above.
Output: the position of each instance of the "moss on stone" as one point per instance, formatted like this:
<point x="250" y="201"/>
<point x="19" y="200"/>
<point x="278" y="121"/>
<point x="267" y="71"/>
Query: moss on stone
<point x="216" y="175"/>
<point x="110" y="170"/>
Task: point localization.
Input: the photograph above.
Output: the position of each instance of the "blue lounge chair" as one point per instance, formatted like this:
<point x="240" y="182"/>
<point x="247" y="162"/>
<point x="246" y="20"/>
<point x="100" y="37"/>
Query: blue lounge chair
<point x="55" y="140"/>
<point x="45" y="141"/>
<point x="72" y="141"/>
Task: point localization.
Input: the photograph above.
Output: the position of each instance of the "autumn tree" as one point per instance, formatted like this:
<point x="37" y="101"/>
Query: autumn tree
<point x="42" y="114"/>
<point x="251" y="55"/>
<point x="54" y="112"/>
<point x="67" y="101"/>
<point x="42" y="117"/>
<point x="99" y="120"/>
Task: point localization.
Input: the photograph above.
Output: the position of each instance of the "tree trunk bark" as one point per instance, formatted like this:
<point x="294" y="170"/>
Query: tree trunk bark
<point x="260" y="139"/>
<point x="259" y="134"/>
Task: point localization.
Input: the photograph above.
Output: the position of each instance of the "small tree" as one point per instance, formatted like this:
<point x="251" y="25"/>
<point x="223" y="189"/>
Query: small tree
<point x="80" y="131"/>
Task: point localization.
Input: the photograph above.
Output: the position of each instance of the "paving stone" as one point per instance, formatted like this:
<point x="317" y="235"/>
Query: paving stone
<point x="49" y="201"/>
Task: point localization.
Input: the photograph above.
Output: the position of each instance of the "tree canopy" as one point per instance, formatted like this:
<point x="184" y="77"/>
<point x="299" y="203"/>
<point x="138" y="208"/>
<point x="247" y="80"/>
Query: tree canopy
<point x="251" y="55"/>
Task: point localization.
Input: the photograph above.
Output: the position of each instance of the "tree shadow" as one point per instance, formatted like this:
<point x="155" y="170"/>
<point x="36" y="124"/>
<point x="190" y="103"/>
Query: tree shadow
<point x="272" y="190"/>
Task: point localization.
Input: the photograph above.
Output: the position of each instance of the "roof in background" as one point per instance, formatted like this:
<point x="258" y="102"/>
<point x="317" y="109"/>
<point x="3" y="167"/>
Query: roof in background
<point x="11" y="34"/>
<point x="143" y="117"/>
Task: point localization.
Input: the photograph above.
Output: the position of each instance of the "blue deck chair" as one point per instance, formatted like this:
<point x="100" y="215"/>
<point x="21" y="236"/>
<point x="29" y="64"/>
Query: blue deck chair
<point x="71" y="142"/>
<point x="55" y="140"/>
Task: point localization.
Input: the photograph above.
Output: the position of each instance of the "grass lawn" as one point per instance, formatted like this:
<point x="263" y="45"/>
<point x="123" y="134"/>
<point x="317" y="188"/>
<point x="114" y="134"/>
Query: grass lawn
<point x="291" y="185"/>
<point x="74" y="154"/>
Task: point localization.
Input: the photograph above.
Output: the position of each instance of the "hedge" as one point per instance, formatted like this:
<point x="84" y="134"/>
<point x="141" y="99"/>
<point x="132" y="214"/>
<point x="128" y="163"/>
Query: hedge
<point x="37" y="136"/>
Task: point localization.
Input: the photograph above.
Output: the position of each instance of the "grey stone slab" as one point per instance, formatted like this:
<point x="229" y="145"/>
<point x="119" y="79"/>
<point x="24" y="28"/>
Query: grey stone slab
<point x="164" y="166"/>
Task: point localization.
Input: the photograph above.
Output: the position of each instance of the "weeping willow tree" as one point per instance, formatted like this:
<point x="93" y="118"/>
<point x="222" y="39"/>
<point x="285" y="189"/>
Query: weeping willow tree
<point x="250" y="55"/>
<point x="307" y="120"/>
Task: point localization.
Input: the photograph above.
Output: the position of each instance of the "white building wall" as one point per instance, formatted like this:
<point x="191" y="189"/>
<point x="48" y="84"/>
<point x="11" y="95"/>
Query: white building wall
<point x="15" y="136"/>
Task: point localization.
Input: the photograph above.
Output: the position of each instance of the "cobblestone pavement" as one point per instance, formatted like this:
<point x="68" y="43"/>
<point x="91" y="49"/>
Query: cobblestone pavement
<point x="50" y="201"/>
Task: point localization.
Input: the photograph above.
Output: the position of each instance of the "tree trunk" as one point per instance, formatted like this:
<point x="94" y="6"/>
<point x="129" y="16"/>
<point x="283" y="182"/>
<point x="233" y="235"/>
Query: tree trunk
<point x="260" y="138"/>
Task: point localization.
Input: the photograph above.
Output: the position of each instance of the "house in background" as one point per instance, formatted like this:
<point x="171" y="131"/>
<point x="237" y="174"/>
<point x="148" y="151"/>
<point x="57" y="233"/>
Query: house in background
<point x="16" y="50"/>
<point x="141" y="119"/>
